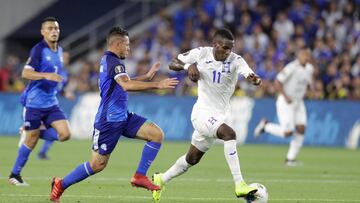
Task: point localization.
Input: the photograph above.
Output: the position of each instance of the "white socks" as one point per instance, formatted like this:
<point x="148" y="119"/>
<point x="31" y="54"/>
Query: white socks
<point x="295" y="146"/>
<point x="180" y="167"/>
<point x="275" y="129"/>
<point x="232" y="159"/>
<point x="230" y="152"/>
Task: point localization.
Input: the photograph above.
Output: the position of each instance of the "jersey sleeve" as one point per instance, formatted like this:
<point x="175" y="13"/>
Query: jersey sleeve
<point x="242" y="67"/>
<point x="34" y="59"/>
<point x="285" y="73"/>
<point x="116" y="69"/>
<point x="191" y="56"/>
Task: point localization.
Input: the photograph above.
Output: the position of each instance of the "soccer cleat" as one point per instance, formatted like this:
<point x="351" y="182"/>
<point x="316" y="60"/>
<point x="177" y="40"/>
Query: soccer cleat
<point x="157" y="179"/>
<point x="292" y="163"/>
<point x="17" y="180"/>
<point x="139" y="180"/>
<point x="56" y="190"/>
<point x="242" y="189"/>
<point x="260" y="127"/>
<point x="42" y="156"/>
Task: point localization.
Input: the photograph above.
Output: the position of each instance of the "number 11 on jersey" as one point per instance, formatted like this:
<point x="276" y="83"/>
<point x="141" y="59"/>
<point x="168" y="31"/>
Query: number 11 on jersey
<point x="218" y="76"/>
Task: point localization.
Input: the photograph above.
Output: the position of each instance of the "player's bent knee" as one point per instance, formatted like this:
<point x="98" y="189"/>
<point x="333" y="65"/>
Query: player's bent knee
<point x="288" y="133"/>
<point x="300" y="129"/>
<point x="226" y="133"/>
<point x="157" y="135"/>
<point x="98" y="166"/>
<point x="63" y="136"/>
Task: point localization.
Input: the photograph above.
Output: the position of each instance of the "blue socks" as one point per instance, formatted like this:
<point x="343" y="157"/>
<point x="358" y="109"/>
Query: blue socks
<point x="23" y="156"/>
<point x="78" y="174"/>
<point x="149" y="153"/>
<point x="46" y="146"/>
<point x="49" y="134"/>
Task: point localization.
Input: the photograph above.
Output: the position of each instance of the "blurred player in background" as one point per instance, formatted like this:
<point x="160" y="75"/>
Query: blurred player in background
<point x="42" y="154"/>
<point x="291" y="83"/>
<point x="216" y="69"/>
<point x="113" y="119"/>
<point x="41" y="105"/>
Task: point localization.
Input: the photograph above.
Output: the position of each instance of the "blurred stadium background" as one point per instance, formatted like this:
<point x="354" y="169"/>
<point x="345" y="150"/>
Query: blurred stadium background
<point x="268" y="35"/>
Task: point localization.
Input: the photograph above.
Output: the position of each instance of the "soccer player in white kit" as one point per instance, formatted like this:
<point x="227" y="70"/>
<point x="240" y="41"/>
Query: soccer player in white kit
<point x="216" y="70"/>
<point x="291" y="83"/>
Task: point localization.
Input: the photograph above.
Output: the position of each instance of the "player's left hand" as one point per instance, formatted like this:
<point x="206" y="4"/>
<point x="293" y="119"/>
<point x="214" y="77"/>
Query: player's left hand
<point x="193" y="73"/>
<point x="154" y="68"/>
<point x="254" y="79"/>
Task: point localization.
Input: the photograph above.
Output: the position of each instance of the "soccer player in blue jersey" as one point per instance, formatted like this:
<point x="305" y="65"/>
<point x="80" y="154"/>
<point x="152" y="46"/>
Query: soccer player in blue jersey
<point x="45" y="133"/>
<point x="41" y="105"/>
<point x="113" y="119"/>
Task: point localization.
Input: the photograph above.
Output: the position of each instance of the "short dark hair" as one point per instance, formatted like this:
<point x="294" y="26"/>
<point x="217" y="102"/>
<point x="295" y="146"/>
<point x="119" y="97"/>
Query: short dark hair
<point x="117" y="31"/>
<point x="48" y="19"/>
<point x="224" y="33"/>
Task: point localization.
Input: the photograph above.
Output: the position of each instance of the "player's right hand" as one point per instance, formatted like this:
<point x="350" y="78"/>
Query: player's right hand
<point x="193" y="73"/>
<point x="168" y="83"/>
<point x="53" y="77"/>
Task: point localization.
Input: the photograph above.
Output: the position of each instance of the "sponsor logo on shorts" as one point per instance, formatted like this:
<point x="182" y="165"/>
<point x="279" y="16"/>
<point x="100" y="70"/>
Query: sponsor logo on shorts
<point x="103" y="147"/>
<point x="212" y="120"/>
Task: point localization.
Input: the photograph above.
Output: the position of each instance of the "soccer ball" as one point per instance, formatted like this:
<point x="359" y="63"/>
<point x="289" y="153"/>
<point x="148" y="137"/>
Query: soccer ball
<point x="261" y="196"/>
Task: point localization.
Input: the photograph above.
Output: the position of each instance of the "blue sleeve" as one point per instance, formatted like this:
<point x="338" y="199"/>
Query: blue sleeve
<point x="115" y="67"/>
<point x="35" y="58"/>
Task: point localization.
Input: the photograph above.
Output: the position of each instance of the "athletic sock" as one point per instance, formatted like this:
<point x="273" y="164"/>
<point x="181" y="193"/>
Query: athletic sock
<point x="274" y="129"/>
<point x="23" y="156"/>
<point x="78" y="174"/>
<point x="46" y="146"/>
<point x="49" y="134"/>
<point x="149" y="153"/>
<point x="295" y="146"/>
<point x="180" y="167"/>
<point x="232" y="159"/>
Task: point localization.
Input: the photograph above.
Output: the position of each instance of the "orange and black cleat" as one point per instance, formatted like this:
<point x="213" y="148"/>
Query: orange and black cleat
<point x="56" y="190"/>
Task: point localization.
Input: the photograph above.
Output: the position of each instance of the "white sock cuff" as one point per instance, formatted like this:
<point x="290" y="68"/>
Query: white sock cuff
<point x="230" y="143"/>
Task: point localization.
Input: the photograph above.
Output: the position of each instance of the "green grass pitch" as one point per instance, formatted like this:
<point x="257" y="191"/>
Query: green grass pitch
<point x="327" y="175"/>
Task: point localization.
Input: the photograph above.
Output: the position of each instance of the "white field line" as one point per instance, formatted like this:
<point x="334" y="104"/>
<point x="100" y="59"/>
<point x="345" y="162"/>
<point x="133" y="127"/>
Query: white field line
<point x="280" y="180"/>
<point x="200" y="199"/>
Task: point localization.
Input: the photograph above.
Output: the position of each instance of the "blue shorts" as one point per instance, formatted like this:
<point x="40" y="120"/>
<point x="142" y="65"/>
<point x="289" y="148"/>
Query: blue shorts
<point x="33" y="117"/>
<point x="107" y="134"/>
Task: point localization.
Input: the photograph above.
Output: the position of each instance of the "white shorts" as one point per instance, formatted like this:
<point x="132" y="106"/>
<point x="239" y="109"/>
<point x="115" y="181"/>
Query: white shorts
<point x="206" y="124"/>
<point x="292" y="114"/>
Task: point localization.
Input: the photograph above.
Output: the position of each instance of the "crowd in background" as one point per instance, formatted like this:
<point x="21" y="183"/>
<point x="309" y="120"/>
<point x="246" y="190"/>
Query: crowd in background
<point x="267" y="36"/>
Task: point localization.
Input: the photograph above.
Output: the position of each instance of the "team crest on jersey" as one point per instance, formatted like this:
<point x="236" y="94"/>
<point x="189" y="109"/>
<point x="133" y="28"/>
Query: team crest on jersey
<point x="226" y="67"/>
<point x="119" y="69"/>
<point x="103" y="147"/>
<point x="28" y="61"/>
<point x="48" y="58"/>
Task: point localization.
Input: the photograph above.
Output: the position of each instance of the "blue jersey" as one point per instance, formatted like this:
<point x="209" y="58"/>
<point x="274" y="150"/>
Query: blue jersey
<point x="60" y="86"/>
<point x="42" y="93"/>
<point x="114" y="100"/>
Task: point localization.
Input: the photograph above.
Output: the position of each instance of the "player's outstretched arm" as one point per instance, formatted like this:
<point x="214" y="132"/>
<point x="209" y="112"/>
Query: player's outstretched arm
<point x="150" y="74"/>
<point x="133" y="85"/>
<point x="254" y="79"/>
<point x="30" y="74"/>
<point x="192" y="70"/>
<point x="176" y="65"/>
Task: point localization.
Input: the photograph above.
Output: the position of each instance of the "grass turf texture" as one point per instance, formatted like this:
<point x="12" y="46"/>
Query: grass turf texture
<point x="328" y="174"/>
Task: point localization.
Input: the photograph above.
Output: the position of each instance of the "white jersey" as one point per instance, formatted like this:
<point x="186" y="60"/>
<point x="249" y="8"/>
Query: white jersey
<point x="217" y="78"/>
<point x="295" y="78"/>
